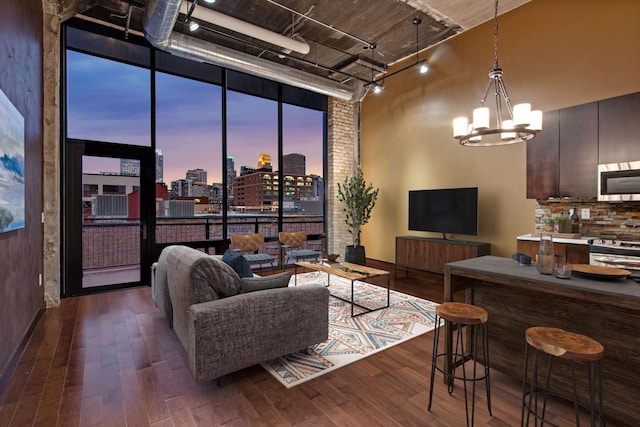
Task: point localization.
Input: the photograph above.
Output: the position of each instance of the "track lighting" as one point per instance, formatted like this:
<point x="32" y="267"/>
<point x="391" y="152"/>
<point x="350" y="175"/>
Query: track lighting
<point x="378" y="87"/>
<point x="423" y="66"/>
<point x="193" y="26"/>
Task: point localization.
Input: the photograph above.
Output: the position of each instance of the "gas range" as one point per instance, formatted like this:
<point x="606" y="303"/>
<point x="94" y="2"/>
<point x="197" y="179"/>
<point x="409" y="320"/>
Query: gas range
<point x="615" y="253"/>
<point x="615" y="246"/>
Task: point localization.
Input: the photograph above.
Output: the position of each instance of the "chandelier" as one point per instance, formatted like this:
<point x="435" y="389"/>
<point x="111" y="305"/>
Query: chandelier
<point x="521" y="125"/>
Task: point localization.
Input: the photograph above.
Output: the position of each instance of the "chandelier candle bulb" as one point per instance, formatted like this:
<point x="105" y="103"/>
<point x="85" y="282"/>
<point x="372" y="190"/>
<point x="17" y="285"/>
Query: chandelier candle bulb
<point x="481" y="118"/>
<point x="460" y="125"/>
<point x="536" y="120"/>
<point x="522" y="115"/>
<point x="508" y="136"/>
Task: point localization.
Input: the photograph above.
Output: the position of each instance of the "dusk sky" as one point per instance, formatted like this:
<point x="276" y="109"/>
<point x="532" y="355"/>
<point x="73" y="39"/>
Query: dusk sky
<point x="110" y="101"/>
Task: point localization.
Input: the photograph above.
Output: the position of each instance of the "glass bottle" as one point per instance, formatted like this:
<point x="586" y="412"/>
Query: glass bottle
<point x="545" y="255"/>
<point x="575" y="221"/>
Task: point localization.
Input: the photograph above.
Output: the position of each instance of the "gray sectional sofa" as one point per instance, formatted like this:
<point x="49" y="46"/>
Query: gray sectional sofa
<point x="226" y="323"/>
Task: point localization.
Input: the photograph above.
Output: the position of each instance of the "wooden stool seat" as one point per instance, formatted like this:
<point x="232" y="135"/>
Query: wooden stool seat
<point x="463" y="314"/>
<point x="567" y="345"/>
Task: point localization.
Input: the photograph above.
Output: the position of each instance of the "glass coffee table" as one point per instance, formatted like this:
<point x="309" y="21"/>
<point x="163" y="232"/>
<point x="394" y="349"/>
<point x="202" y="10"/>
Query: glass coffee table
<point x="352" y="272"/>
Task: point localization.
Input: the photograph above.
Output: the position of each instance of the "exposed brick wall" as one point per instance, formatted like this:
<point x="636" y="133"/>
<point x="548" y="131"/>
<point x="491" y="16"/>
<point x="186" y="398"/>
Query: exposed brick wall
<point x="619" y="221"/>
<point x="341" y="161"/>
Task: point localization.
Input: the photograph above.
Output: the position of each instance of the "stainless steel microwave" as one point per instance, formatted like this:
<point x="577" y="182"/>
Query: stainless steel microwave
<point x="619" y="182"/>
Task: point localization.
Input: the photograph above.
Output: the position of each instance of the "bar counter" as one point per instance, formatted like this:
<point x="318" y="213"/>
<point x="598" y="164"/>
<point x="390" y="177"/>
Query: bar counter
<point x="518" y="297"/>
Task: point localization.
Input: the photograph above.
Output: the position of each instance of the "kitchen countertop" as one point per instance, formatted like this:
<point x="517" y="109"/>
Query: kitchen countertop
<point x="584" y="240"/>
<point x="509" y="270"/>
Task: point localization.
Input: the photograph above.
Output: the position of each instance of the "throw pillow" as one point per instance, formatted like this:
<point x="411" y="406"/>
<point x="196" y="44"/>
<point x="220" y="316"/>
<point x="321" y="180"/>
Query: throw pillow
<point x="251" y="284"/>
<point x="238" y="262"/>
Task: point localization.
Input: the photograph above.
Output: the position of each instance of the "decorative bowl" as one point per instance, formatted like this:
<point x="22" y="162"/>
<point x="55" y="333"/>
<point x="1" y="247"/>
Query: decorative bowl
<point x="332" y="257"/>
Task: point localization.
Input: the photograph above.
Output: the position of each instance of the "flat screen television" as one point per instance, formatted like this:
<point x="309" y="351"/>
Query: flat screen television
<point x="448" y="210"/>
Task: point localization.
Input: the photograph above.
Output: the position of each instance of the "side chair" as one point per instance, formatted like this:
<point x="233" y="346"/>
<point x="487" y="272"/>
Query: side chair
<point x="293" y="245"/>
<point x="248" y="245"/>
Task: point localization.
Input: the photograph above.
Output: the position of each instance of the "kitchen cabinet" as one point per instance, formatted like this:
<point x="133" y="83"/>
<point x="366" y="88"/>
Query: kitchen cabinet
<point x="543" y="159"/>
<point x="562" y="160"/>
<point x="573" y="253"/>
<point x="578" y="172"/>
<point x="619" y="129"/>
<point x="432" y="254"/>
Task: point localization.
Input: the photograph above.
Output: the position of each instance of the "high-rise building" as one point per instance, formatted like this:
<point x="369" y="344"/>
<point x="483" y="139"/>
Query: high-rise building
<point x="264" y="162"/>
<point x="129" y="167"/>
<point x="231" y="175"/>
<point x="181" y="188"/>
<point x="159" y="166"/>
<point x="245" y="170"/>
<point x="197" y="175"/>
<point x="294" y="163"/>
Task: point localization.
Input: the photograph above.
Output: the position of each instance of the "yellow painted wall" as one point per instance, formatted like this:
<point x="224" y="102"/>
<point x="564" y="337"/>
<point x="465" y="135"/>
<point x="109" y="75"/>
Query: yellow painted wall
<point x="555" y="54"/>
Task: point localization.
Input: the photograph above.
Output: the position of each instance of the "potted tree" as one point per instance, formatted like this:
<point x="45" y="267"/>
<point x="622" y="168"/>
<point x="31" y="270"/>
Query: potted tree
<point x="358" y="200"/>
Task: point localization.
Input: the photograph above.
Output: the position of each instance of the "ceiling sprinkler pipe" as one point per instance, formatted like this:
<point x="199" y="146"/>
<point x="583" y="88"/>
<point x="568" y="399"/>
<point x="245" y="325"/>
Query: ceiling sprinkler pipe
<point x="242" y="27"/>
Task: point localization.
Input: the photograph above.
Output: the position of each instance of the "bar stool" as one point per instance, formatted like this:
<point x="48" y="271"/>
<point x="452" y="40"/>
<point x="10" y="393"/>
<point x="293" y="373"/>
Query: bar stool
<point x="459" y="315"/>
<point x="566" y="345"/>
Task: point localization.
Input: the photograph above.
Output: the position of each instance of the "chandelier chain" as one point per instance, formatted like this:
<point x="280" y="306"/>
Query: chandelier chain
<point x="495" y="37"/>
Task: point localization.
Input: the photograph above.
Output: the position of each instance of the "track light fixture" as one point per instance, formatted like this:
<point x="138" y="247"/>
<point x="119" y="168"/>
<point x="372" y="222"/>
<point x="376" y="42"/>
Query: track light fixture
<point x="193" y="26"/>
<point x="378" y="87"/>
<point x="423" y="64"/>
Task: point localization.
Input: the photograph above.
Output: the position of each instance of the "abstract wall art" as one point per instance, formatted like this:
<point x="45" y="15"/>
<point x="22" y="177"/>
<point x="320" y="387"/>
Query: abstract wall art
<point x="11" y="166"/>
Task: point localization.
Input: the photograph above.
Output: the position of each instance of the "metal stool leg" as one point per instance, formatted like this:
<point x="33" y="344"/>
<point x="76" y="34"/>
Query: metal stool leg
<point x="436" y="336"/>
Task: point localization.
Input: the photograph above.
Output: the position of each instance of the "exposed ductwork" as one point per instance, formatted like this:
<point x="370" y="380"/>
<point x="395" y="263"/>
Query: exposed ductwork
<point x="242" y="27"/>
<point x="159" y="19"/>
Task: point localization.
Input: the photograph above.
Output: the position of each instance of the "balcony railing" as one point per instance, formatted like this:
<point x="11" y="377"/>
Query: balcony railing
<point x="109" y="243"/>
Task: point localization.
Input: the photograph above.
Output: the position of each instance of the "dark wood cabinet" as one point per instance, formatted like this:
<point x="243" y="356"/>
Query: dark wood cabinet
<point x="579" y="151"/>
<point x="574" y="253"/>
<point x="562" y="160"/>
<point x="543" y="159"/>
<point x="619" y="127"/>
<point x="432" y="254"/>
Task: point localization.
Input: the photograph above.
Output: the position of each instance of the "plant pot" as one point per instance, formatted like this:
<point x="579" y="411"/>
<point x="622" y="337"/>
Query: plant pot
<point x="355" y="255"/>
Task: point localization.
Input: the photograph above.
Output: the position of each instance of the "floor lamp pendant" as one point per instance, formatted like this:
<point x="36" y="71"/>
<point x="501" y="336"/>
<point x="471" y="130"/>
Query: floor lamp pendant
<point x="512" y="124"/>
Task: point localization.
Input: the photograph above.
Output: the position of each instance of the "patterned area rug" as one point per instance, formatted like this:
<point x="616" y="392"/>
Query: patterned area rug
<point x="354" y="338"/>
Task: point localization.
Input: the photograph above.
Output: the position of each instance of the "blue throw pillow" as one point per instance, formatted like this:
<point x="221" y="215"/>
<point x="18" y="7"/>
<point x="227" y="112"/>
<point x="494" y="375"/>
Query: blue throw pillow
<point x="239" y="263"/>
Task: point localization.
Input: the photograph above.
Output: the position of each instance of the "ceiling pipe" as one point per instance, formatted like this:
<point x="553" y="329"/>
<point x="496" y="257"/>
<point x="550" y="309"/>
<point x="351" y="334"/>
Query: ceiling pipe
<point x="243" y="27"/>
<point x="161" y="15"/>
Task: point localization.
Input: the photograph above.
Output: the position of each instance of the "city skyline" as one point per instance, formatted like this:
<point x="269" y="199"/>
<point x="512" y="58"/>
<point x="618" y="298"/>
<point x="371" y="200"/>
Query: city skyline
<point x="189" y="129"/>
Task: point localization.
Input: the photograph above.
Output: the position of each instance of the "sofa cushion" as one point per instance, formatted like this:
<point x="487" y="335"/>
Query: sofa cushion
<point x="251" y="284"/>
<point x="238" y="262"/>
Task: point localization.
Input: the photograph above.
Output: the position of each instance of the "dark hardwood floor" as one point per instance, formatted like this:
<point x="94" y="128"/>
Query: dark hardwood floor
<point x="110" y="360"/>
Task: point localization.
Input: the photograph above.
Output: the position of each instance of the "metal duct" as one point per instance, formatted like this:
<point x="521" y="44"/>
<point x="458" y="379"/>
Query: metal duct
<point x="159" y="19"/>
<point x="242" y="27"/>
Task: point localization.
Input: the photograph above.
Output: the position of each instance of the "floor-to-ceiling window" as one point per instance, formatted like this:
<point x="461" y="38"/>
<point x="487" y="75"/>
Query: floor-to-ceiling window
<point x="233" y="153"/>
<point x="189" y="160"/>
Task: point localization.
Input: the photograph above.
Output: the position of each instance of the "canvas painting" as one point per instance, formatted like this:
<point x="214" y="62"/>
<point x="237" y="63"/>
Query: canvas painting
<point x="11" y="166"/>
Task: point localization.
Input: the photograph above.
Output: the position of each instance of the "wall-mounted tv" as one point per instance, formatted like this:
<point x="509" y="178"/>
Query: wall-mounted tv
<point x="448" y="210"/>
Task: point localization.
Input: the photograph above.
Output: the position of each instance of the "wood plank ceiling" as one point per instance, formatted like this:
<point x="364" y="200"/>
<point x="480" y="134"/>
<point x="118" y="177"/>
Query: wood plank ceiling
<point x="338" y="32"/>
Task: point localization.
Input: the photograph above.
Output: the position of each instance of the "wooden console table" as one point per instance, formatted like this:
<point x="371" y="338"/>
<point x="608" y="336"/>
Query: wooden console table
<point x="517" y="297"/>
<point x="432" y="254"/>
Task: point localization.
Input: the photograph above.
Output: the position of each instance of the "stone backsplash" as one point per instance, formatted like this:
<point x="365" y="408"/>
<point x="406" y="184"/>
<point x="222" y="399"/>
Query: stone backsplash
<point x="620" y="221"/>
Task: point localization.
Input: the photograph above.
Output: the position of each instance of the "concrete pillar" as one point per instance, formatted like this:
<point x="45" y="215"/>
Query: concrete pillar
<point x="51" y="152"/>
